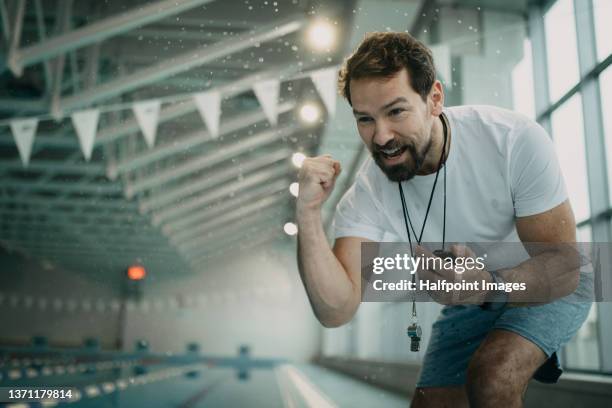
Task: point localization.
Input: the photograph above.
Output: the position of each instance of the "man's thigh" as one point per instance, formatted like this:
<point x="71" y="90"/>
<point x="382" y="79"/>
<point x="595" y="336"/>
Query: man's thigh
<point x="507" y="358"/>
<point x="440" y="397"/>
<point x="455" y="336"/>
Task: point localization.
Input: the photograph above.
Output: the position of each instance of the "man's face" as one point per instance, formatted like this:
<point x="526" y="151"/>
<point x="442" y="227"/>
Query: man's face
<point x="394" y="122"/>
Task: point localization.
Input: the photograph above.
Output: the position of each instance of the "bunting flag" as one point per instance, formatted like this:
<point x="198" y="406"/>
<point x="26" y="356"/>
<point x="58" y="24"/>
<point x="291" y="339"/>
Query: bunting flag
<point x="208" y="103"/>
<point x="324" y="81"/>
<point x="209" y="106"/>
<point x="23" y="134"/>
<point x="86" y="123"/>
<point x="442" y="56"/>
<point x="147" y="115"/>
<point x="267" y="94"/>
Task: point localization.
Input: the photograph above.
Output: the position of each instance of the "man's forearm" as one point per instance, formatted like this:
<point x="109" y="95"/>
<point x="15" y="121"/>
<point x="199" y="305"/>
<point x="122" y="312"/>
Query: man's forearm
<point x="333" y="296"/>
<point x="548" y="276"/>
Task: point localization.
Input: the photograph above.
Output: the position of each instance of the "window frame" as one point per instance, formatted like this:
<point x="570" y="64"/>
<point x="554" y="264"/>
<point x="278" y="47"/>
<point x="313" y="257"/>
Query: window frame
<point x="588" y="86"/>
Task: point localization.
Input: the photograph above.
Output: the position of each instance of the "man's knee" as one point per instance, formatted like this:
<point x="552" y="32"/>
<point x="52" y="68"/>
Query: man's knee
<point x="486" y="382"/>
<point x="499" y="371"/>
<point x="439" y="397"/>
<point x="491" y="382"/>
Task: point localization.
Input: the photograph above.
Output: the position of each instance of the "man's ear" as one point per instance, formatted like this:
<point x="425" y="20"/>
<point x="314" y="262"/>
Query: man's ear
<point x="436" y="98"/>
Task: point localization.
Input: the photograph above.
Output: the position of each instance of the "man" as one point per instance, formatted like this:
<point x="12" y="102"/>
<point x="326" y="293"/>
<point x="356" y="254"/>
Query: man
<point x="504" y="185"/>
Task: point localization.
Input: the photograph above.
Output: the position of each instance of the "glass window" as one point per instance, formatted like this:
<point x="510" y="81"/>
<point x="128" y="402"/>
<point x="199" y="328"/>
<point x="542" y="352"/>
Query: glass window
<point x="522" y="83"/>
<point x="605" y="90"/>
<point x="582" y="352"/>
<point x="602" y="11"/>
<point x="562" y="53"/>
<point x="568" y="135"/>
<point x="584" y="234"/>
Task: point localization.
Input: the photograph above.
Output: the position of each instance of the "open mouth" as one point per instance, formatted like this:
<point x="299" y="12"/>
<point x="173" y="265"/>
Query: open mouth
<point x="393" y="152"/>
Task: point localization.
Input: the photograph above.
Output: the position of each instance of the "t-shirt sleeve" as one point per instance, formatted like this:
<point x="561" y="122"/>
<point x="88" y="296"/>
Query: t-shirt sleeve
<point x="535" y="175"/>
<point x="357" y="214"/>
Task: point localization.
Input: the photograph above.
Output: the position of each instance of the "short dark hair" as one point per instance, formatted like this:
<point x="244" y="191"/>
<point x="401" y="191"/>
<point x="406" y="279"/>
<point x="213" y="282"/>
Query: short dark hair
<point x="383" y="54"/>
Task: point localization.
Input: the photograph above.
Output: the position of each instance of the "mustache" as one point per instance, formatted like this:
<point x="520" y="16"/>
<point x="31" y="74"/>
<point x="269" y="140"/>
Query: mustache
<point x="393" y="144"/>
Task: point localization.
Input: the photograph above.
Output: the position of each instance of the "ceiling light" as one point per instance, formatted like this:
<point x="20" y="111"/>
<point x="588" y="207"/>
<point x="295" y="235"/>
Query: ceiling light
<point x="321" y="35"/>
<point x="290" y="228"/>
<point x="310" y="113"/>
<point x="297" y="159"/>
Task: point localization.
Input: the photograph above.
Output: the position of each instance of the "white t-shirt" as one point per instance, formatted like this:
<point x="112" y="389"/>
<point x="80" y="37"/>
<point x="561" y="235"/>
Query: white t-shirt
<point x="501" y="165"/>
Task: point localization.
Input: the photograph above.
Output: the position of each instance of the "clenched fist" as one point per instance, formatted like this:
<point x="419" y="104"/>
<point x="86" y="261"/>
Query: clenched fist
<point x="317" y="177"/>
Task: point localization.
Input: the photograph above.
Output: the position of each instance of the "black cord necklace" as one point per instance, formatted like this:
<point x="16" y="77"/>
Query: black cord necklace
<point x="414" y="330"/>
<point x="407" y="220"/>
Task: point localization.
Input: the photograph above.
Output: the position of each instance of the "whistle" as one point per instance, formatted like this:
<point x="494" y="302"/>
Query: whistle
<point x="414" y="332"/>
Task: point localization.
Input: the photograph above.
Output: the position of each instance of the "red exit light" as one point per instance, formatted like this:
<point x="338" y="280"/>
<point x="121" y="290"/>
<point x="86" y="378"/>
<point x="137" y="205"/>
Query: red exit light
<point x="136" y="272"/>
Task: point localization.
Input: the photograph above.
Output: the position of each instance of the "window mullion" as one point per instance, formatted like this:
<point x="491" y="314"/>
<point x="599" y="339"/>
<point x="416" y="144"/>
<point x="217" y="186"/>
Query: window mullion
<point x="596" y="159"/>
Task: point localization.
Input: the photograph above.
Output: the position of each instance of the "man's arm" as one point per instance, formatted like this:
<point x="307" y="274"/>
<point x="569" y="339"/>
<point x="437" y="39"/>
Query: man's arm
<point x="553" y="271"/>
<point x="331" y="278"/>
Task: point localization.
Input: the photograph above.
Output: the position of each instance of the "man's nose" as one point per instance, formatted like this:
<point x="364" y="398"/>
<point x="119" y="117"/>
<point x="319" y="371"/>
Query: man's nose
<point x="382" y="133"/>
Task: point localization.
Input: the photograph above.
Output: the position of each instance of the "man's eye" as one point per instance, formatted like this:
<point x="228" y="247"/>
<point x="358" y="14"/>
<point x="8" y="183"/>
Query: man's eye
<point x="364" y="119"/>
<point x="396" y="111"/>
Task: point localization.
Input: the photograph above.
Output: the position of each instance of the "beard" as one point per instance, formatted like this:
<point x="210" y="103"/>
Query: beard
<point x="402" y="171"/>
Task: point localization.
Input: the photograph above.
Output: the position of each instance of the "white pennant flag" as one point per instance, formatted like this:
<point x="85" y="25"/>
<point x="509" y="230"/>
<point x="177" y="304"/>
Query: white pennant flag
<point x="209" y="106"/>
<point x="325" y="82"/>
<point x="267" y="93"/>
<point x="86" y="123"/>
<point x="147" y="115"/>
<point x="23" y="133"/>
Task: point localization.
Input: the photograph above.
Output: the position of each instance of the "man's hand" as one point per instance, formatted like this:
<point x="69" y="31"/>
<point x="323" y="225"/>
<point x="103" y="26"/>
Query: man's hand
<point x="317" y="177"/>
<point x="451" y="275"/>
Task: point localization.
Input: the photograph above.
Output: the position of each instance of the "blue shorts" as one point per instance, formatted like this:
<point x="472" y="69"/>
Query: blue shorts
<point x="459" y="330"/>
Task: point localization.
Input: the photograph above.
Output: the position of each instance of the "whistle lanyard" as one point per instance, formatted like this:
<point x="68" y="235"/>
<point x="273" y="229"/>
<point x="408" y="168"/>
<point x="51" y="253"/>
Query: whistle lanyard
<point x="408" y="221"/>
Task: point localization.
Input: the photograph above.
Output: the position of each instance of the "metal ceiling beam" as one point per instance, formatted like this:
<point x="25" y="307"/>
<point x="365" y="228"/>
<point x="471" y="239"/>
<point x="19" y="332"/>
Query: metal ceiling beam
<point x="64" y="187"/>
<point x="49" y="226"/>
<point x="16" y="31"/>
<point x="26" y="105"/>
<point x="130" y="246"/>
<point x="191" y="140"/>
<point x="181" y="238"/>
<point x="184" y="62"/>
<point x="4" y="15"/>
<point x="74" y="233"/>
<point x="74" y="202"/>
<point x="236" y="228"/>
<point x="118" y="219"/>
<point x="233" y="241"/>
<point x="30" y="243"/>
<point x="59" y="166"/>
<point x="216" y="23"/>
<point x="224" y="205"/>
<point x="202" y="200"/>
<point x="179" y="35"/>
<point x="64" y="21"/>
<point x="240" y="227"/>
<point x="89" y="257"/>
<point x="38" y="220"/>
<point x="170" y="195"/>
<point x="211" y="158"/>
<point x="208" y="256"/>
<point x="98" y="31"/>
<point x="42" y="35"/>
